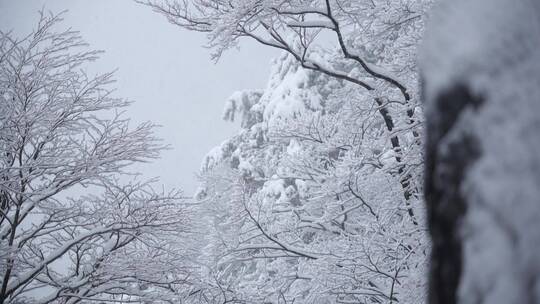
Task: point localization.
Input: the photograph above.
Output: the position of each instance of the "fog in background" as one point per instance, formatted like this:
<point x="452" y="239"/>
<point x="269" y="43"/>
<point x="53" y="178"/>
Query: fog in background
<point x="166" y="71"/>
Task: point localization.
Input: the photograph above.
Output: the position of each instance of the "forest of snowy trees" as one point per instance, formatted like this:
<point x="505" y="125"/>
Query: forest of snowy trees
<point x="393" y="157"/>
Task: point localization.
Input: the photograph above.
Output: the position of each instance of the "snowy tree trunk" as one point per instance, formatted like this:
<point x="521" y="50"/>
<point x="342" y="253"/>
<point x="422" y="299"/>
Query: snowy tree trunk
<point x="481" y="87"/>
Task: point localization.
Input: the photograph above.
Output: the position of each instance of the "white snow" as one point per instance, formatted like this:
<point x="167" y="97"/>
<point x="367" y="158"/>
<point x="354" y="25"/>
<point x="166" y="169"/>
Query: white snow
<point x="282" y="98"/>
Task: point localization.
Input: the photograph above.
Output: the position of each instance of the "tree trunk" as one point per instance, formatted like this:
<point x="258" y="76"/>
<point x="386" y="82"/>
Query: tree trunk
<point x="481" y="87"/>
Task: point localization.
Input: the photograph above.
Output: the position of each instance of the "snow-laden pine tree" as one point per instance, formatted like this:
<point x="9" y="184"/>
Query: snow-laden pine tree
<point x="74" y="228"/>
<point x="481" y="75"/>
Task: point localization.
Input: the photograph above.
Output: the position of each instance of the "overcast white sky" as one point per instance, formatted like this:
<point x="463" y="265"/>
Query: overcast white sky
<point x="164" y="69"/>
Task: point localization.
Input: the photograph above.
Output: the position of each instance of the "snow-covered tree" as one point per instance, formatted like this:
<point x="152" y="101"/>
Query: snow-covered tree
<point x="308" y="206"/>
<point x="74" y="227"/>
<point x="317" y="199"/>
<point x="481" y="79"/>
<point x="371" y="44"/>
